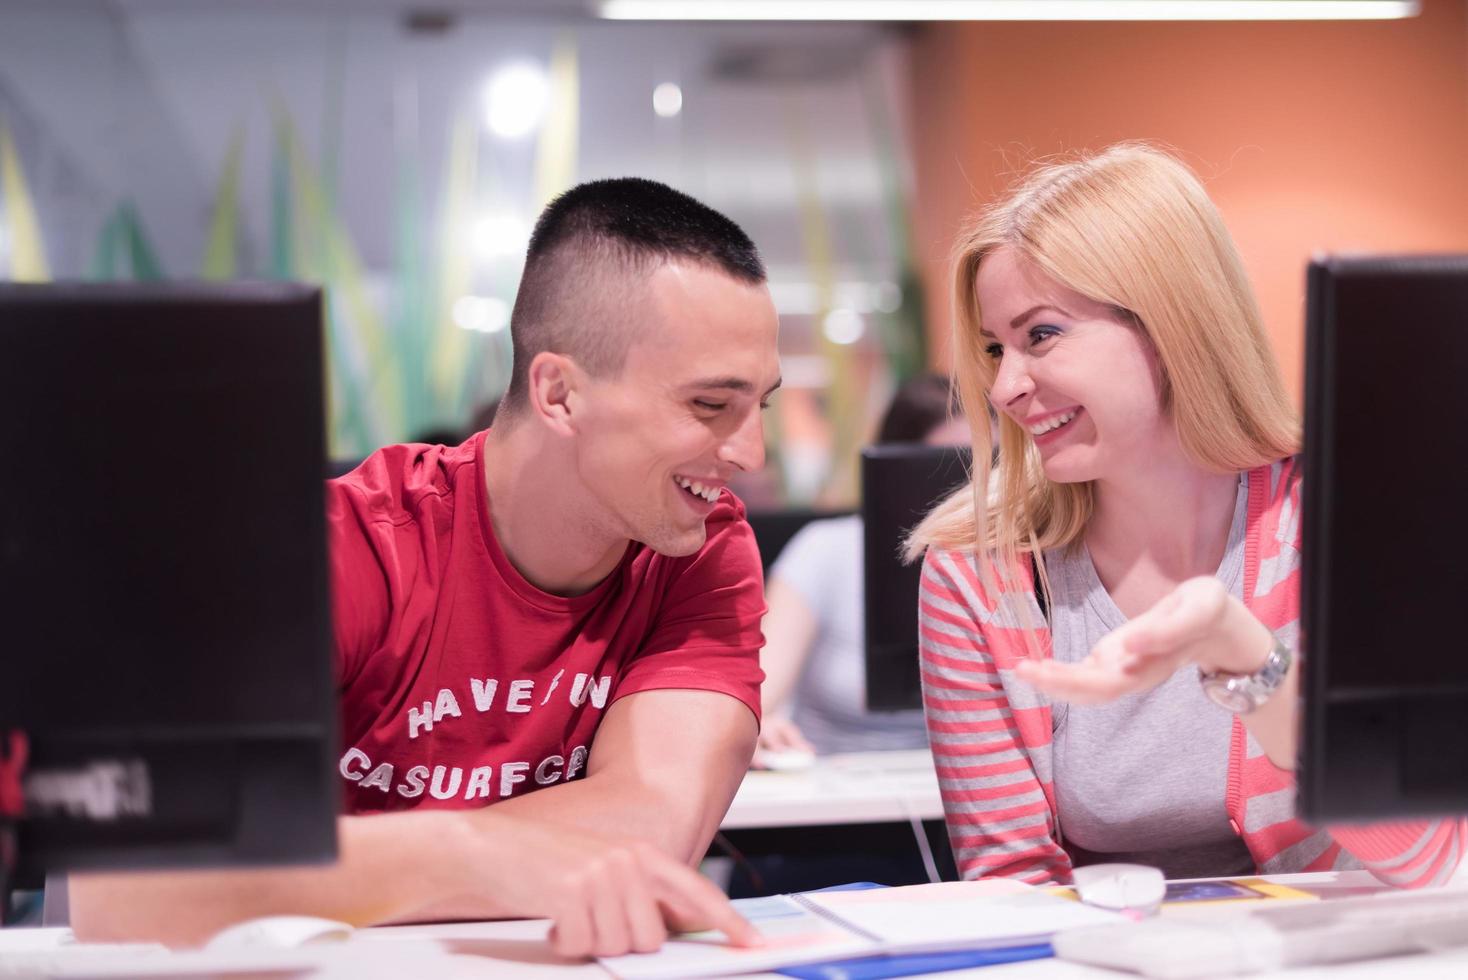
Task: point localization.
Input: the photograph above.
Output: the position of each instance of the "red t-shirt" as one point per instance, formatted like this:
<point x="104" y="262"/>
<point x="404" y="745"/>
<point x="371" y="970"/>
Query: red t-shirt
<point x="461" y="683"/>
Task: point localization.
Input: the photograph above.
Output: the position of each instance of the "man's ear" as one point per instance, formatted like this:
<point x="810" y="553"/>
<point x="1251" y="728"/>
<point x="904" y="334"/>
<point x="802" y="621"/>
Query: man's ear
<point x="555" y="381"/>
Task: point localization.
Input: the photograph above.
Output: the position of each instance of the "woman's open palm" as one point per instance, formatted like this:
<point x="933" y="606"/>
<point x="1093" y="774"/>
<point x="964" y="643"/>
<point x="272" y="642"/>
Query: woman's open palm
<point x="1197" y="622"/>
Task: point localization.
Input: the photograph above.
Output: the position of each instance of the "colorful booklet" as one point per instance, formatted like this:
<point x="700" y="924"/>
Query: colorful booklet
<point x="1230" y="890"/>
<point x="816" y="927"/>
<point x="1209" y="890"/>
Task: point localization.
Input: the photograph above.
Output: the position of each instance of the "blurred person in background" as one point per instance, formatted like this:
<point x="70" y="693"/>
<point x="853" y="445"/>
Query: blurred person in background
<point x="814" y="694"/>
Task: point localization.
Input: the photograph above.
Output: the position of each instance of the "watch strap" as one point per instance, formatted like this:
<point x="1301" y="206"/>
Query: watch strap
<point x="1243" y="693"/>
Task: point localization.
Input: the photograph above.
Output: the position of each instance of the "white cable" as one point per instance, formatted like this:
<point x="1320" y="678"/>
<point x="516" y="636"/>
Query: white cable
<point x="921" y="835"/>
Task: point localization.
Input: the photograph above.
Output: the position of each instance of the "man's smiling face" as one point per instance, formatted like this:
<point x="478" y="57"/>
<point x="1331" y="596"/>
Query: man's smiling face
<point x="659" y="441"/>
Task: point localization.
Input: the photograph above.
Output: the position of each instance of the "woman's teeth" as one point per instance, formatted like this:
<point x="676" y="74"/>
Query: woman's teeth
<point x="1040" y="428"/>
<point x="710" y="494"/>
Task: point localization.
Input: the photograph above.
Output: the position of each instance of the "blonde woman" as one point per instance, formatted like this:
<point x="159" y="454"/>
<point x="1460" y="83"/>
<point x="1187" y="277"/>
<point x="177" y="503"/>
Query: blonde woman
<point x="1109" y="616"/>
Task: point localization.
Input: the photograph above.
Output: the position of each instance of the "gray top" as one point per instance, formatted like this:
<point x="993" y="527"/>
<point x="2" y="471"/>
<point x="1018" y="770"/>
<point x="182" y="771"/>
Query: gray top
<point x="823" y="563"/>
<point x="1142" y="779"/>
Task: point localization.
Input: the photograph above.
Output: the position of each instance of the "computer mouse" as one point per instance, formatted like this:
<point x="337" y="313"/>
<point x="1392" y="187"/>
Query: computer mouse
<point x="1134" y="888"/>
<point x="786" y="760"/>
<point x="279" y="932"/>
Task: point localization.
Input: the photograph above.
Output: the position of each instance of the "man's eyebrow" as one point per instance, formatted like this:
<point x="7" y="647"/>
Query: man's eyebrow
<point x="1014" y="324"/>
<point x="731" y="383"/>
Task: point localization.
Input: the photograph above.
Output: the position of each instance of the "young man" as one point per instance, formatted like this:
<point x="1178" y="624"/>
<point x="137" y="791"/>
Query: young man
<point x="559" y="618"/>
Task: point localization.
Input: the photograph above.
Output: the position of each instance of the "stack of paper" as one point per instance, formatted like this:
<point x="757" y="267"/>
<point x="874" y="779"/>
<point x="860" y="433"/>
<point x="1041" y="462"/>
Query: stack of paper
<point x="819" y="926"/>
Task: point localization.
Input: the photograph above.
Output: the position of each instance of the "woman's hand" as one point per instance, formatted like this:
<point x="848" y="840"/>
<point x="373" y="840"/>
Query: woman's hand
<point x="1197" y="623"/>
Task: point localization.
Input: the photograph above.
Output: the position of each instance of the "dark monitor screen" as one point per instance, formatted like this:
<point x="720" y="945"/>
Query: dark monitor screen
<point x="900" y="483"/>
<point x="774" y="529"/>
<point x="1385" y="538"/>
<point x="163" y="574"/>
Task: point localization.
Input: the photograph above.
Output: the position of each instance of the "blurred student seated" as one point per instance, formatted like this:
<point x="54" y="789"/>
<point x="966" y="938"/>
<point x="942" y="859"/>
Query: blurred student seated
<point x="814" y="694"/>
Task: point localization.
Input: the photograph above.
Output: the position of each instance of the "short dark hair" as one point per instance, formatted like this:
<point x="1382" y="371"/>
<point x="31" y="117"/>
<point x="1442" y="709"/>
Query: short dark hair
<point x="586" y="245"/>
<point x="922" y="404"/>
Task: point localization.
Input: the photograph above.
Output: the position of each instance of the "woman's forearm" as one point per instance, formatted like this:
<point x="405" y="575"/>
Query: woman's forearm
<point x="1275" y="723"/>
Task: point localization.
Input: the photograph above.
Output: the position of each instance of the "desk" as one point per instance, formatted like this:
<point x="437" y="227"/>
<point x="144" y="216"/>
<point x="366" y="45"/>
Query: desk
<point x="517" y="943"/>
<point x="517" y="949"/>
<point x="831" y="812"/>
<point x="846" y="788"/>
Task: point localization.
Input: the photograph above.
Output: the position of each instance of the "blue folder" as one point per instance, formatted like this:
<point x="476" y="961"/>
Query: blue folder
<point x="909" y="965"/>
<point x="878" y="967"/>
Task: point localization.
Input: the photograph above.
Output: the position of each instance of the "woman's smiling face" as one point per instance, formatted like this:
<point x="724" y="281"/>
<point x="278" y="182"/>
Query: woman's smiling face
<point x="1076" y="374"/>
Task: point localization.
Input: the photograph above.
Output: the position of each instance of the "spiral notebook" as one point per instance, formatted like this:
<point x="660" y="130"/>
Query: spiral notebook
<point x="814" y="927"/>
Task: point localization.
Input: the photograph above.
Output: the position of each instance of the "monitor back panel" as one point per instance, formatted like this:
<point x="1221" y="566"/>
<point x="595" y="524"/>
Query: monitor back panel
<point x="1385" y="510"/>
<point x="162" y="570"/>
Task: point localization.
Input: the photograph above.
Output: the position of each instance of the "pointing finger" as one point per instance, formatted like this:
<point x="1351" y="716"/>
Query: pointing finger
<point x="694" y="903"/>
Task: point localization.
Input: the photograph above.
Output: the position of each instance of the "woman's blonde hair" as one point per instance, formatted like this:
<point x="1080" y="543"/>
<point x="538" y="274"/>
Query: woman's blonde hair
<point x="1130" y="227"/>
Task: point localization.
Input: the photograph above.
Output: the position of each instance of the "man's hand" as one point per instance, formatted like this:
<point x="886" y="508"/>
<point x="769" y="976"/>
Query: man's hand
<point x="1197" y="623"/>
<point x="604" y="896"/>
<point x="662" y="771"/>
<point x="607" y="897"/>
<point x="608" y="856"/>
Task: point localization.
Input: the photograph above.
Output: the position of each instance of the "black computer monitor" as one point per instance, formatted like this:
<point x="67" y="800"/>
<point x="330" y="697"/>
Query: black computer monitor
<point x="900" y="483"/>
<point x="163" y="575"/>
<point x="774" y="529"/>
<point x="1385" y="536"/>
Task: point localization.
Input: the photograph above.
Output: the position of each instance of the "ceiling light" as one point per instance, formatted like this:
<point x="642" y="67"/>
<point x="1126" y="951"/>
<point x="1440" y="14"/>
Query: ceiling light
<point x="843" y="326"/>
<point x="498" y="236"/>
<point x="913" y="10"/>
<point x="667" y="100"/>
<point x="515" y="100"/>
<point x="487" y="314"/>
<point x="887" y="297"/>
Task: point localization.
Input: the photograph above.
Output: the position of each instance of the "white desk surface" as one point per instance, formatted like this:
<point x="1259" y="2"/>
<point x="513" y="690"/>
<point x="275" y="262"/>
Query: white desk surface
<point x="518" y="949"/>
<point x="849" y="788"/>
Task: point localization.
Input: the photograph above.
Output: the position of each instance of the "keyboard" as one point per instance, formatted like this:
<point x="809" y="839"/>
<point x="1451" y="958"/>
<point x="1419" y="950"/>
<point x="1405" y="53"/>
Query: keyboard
<point x="1273" y="938"/>
<point x="76" y="959"/>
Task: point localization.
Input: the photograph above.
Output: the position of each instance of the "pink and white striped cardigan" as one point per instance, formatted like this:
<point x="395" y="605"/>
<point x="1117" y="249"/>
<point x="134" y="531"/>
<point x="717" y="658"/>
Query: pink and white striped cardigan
<point x="990" y="734"/>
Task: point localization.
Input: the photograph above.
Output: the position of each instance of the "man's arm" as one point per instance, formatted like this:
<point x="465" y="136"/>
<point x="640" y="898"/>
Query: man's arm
<point x="663" y="768"/>
<point x="388" y="866"/>
<point x="604" y="897"/>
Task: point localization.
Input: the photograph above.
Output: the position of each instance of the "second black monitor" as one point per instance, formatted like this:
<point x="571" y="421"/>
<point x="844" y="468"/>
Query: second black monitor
<point x="900" y="483"/>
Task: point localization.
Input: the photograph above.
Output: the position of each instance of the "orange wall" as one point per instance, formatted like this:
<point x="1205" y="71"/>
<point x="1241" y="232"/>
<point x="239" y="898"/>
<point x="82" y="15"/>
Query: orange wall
<point x="1309" y="136"/>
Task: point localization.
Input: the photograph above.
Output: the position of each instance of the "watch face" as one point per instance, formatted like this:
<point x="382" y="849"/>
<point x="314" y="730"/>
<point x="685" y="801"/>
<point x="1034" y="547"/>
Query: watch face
<point x="1220" y="693"/>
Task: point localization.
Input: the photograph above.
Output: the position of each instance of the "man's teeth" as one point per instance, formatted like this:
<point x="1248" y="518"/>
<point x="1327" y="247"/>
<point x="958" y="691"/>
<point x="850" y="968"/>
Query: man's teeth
<point x="711" y="494"/>
<point x="1040" y="428"/>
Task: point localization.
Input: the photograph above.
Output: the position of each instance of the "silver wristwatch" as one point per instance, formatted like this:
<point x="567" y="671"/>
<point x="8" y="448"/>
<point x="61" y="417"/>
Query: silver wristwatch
<point x="1243" y="693"/>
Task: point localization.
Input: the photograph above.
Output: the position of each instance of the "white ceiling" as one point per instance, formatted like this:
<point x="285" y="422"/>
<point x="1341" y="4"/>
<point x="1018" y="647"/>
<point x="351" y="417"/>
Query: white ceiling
<point x="140" y="99"/>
